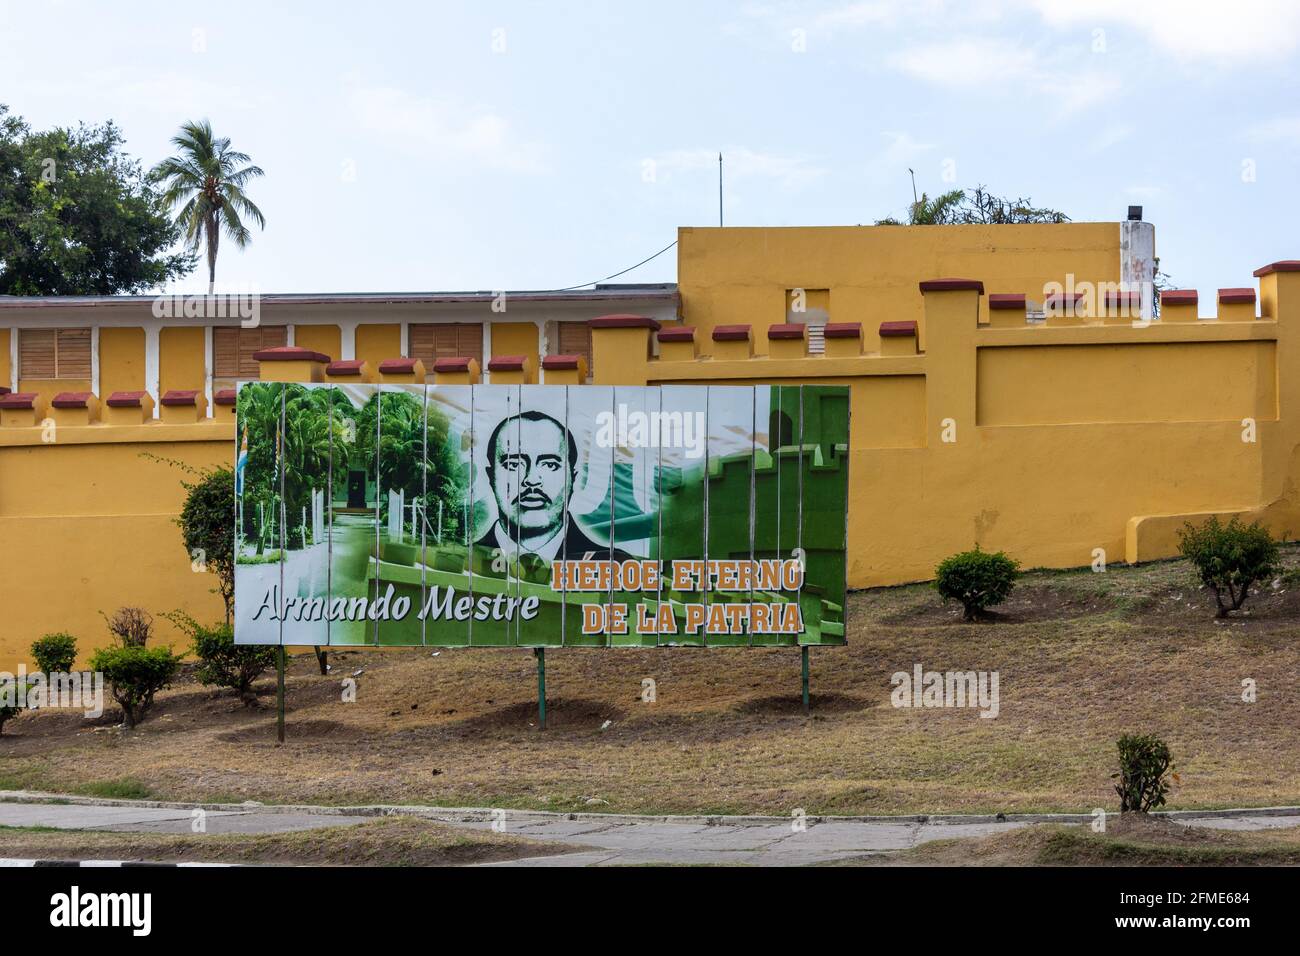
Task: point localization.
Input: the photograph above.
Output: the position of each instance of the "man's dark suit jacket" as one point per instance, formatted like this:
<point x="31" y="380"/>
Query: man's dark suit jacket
<point x="575" y="547"/>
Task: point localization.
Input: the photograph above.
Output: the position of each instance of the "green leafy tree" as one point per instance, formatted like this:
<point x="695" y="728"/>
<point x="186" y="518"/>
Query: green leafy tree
<point x="307" y="450"/>
<point x="1145" y="765"/>
<point x="206" y="180"/>
<point x="135" y="674"/>
<point x="222" y="662"/>
<point x="975" y="206"/>
<point x="55" y="653"/>
<point x="78" y="216"/>
<point x="1229" y="558"/>
<point x="978" y="579"/>
<point x="413" y="454"/>
<point x="258" y="408"/>
<point x="207" y="528"/>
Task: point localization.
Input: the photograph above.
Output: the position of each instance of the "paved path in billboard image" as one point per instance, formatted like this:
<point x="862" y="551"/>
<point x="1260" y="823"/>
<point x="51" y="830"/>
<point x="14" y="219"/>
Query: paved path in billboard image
<point x="612" y="840"/>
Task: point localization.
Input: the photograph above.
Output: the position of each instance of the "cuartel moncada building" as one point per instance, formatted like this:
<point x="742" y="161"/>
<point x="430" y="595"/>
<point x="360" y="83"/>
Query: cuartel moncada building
<point x="1009" y="387"/>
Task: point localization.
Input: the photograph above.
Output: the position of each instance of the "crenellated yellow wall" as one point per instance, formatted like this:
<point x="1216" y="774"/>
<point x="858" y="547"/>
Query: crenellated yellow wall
<point x="741" y="276"/>
<point x="375" y="343"/>
<point x="121" y="360"/>
<point x="181" y="362"/>
<point x="1060" y="444"/>
<point x="326" y="339"/>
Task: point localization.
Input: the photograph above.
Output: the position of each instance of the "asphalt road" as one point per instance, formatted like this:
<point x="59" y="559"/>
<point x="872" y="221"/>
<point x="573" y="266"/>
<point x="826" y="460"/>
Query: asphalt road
<point x="614" y="841"/>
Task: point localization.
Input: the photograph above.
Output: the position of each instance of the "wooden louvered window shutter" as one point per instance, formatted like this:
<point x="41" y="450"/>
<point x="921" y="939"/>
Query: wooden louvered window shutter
<point x="233" y="350"/>
<point x="575" y="339"/>
<point x="36" y="353"/>
<point x="54" y="353"/>
<point x="431" y="341"/>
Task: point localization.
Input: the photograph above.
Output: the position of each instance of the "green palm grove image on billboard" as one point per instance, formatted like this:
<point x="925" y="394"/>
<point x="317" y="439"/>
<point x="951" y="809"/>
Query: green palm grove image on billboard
<point x="540" y="515"/>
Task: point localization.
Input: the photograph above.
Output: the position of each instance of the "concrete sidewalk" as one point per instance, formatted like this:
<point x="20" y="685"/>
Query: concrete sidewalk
<point x="614" y="839"/>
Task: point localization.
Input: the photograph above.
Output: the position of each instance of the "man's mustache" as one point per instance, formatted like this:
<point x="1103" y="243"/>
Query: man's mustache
<point x="532" y="499"/>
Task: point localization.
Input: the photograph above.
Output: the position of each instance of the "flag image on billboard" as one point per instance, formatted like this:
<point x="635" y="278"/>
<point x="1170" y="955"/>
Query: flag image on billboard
<point x="540" y="515"/>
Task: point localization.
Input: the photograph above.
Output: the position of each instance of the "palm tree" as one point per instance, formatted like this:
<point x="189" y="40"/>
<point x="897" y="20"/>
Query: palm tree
<point x="206" y="179"/>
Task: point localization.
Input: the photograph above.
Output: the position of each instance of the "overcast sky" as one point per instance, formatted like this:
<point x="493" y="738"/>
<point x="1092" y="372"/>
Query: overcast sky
<point x="491" y="145"/>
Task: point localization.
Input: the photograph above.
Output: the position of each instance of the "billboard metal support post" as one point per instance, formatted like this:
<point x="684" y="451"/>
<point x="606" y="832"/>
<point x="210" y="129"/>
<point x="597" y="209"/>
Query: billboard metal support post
<point x="540" y="654"/>
<point x="804" y="649"/>
<point x="279" y="695"/>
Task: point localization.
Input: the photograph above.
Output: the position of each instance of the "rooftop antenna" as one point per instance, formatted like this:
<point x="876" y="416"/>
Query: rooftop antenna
<point x="719" y="189"/>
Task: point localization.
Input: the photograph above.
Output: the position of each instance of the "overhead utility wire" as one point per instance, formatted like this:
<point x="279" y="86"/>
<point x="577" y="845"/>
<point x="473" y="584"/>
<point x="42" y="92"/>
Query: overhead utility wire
<point x="583" y="285"/>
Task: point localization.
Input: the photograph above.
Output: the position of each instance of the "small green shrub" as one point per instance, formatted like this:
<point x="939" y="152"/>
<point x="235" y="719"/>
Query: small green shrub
<point x="978" y="579"/>
<point x="55" y="653"/>
<point x="1144" y="766"/>
<point x="8" y="701"/>
<point x="1229" y="558"/>
<point x="135" y="674"/>
<point x="222" y="662"/>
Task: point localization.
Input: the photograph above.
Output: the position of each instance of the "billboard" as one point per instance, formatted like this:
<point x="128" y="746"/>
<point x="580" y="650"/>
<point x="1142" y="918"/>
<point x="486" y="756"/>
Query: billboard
<point x="540" y="515"/>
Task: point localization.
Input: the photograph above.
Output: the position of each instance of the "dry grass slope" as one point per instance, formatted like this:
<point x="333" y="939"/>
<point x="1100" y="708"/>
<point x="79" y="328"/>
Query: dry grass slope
<point x="1083" y="657"/>
<point x="392" y="841"/>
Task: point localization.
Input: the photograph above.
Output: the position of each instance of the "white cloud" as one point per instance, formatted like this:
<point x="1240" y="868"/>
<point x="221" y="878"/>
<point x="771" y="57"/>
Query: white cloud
<point x="1000" y="67"/>
<point x="1282" y="129"/>
<point x="1187" y="29"/>
<point x="442" y="127"/>
<point x="964" y="63"/>
<point x="789" y="172"/>
<point x="857" y="14"/>
<point x="1103" y="139"/>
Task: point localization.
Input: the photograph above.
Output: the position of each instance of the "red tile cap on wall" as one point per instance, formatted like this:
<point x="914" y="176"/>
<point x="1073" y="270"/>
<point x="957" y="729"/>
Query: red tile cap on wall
<point x="18" y="400"/>
<point x="677" y="333"/>
<point x="842" y="330"/>
<point x="506" y="363"/>
<point x="1237" y="296"/>
<point x="623" y="321"/>
<point x="225" y="396"/>
<point x="126" y="399"/>
<point x="345" y="367"/>
<point x="72" y="400"/>
<point x="952" y="285"/>
<point x="559" y="363"/>
<point x="786" y="330"/>
<point x="397" y="366"/>
<point x="289" y="353"/>
<point x="900" y="329"/>
<point x="731" y="333"/>
<point x="1115" y="297"/>
<point x="1007" y="300"/>
<point x="1179" y="297"/>
<point x="1284" y="265"/>
<point x="1057" y="299"/>
<point x="452" y="364"/>
<point x="180" y="396"/>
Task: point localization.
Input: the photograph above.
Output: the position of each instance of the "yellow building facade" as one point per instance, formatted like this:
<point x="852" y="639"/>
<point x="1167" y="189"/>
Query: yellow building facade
<point x="1030" y="405"/>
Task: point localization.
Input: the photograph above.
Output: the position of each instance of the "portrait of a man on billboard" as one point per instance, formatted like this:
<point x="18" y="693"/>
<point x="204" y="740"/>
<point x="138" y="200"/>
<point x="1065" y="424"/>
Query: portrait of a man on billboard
<point x="532" y="468"/>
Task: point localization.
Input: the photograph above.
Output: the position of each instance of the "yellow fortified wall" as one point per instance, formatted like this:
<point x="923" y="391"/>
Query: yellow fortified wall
<point x="87" y="511"/>
<point x="868" y="274"/>
<point x="88" y="522"/>
<point x="1055" y="441"/>
<point x="1060" y="443"/>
